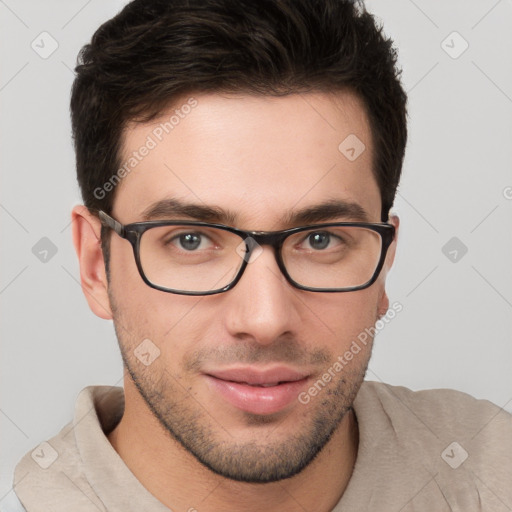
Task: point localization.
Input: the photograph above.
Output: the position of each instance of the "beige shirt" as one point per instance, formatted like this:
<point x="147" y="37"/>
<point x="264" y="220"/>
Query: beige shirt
<point x="435" y="451"/>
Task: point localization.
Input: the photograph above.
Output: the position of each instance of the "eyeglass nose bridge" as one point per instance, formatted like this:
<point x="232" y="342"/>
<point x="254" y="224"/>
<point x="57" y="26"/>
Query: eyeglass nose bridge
<point x="254" y="240"/>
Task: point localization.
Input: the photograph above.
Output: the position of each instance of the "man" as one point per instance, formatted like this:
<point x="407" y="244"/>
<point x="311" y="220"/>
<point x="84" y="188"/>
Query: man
<point x="238" y="162"/>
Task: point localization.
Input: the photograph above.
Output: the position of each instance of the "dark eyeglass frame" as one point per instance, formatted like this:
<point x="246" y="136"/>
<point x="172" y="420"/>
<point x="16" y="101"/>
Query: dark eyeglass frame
<point x="133" y="233"/>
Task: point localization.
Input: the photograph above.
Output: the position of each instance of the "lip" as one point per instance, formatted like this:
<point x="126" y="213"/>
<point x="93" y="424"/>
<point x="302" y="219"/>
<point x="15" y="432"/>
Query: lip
<point x="258" y="391"/>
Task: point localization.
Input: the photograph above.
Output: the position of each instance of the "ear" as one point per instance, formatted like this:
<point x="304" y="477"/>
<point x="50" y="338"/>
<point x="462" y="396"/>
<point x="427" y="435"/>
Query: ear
<point x="87" y="242"/>
<point x="390" y="256"/>
<point x="383" y="304"/>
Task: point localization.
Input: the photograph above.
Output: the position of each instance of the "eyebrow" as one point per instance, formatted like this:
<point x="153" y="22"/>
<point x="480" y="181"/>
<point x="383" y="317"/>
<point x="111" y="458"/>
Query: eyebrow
<point x="327" y="211"/>
<point x="169" y="208"/>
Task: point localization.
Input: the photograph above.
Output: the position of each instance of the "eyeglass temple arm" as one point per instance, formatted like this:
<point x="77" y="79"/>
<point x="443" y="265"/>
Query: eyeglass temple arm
<point x="108" y="221"/>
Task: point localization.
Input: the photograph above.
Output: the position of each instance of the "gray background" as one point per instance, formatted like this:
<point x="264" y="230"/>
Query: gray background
<point x="455" y="327"/>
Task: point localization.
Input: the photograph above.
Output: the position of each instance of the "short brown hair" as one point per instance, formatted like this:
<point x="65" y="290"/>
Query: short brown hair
<point x="155" y="51"/>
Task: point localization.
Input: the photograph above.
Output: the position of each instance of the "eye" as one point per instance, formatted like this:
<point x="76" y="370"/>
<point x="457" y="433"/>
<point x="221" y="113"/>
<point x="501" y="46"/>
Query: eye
<point x="190" y="241"/>
<point x="320" y="240"/>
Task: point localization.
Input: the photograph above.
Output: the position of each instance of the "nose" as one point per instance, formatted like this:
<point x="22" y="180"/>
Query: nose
<point x="263" y="306"/>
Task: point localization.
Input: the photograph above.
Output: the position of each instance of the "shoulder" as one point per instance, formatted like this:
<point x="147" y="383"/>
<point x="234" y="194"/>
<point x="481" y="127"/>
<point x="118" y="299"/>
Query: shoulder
<point x="436" y="449"/>
<point x="436" y="410"/>
<point x="449" y="420"/>
<point x="58" y="463"/>
<point x="447" y="404"/>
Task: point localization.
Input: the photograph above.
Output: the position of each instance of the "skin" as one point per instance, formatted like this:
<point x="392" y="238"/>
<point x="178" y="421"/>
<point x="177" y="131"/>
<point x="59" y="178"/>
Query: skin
<point x="260" y="158"/>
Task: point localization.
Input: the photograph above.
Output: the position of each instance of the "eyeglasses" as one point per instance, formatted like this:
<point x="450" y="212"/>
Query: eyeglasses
<point x="199" y="258"/>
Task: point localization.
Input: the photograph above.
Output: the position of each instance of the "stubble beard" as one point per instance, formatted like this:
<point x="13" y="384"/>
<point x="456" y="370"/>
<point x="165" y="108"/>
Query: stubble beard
<point x="261" y="460"/>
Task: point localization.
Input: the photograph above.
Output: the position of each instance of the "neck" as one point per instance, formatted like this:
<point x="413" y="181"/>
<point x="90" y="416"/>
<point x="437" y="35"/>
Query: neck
<point x="164" y="468"/>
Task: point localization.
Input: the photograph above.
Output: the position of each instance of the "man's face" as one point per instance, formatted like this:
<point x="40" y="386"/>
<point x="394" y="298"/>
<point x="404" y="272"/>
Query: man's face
<point x="261" y="159"/>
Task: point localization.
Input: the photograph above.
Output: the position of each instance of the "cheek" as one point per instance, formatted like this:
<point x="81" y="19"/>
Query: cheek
<point x="172" y="323"/>
<point x="123" y="268"/>
<point x="342" y="317"/>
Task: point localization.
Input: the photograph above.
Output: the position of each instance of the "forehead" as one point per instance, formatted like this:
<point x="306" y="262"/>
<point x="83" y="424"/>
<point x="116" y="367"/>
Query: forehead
<point x="259" y="157"/>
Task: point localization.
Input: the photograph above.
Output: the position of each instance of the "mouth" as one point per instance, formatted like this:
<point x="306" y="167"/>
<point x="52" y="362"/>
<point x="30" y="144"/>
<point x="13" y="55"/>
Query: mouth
<point x="258" y="391"/>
